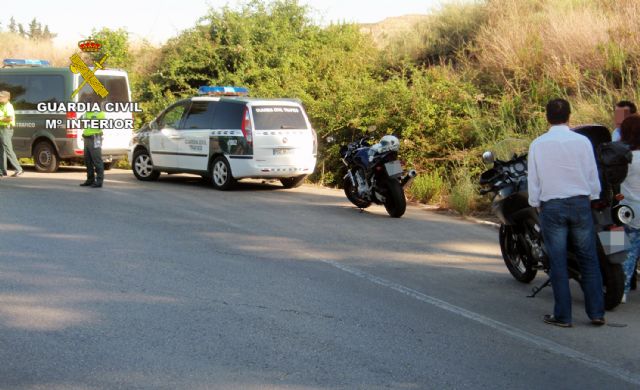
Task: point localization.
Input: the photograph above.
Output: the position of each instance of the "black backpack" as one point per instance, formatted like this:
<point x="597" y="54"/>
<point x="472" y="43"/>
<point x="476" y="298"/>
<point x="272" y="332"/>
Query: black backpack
<point x="613" y="161"/>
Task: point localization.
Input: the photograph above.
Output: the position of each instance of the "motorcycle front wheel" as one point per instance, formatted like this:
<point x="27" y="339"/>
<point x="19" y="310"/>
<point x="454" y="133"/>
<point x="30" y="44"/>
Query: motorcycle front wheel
<point x="396" y="203"/>
<point x="351" y="192"/>
<point x="518" y="265"/>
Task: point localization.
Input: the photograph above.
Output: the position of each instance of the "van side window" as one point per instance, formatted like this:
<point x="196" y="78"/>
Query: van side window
<point x="228" y="116"/>
<point x="172" y="117"/>
<point x="29" y="90"/>
<point x="200" y="115"/>
<point x="116" y="85"/>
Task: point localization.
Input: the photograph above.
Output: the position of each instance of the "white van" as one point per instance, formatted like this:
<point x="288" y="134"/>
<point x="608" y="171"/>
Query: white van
<point x="226" y="138"/>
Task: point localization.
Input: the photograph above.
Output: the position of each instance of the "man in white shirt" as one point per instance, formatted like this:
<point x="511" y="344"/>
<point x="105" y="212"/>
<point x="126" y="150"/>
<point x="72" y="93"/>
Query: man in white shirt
<point x="562" y="180"/>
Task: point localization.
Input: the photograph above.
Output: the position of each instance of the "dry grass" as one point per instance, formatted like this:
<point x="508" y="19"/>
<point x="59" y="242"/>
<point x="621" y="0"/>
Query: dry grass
<point x="571" y="41"/>
<point x="390" y="29"/>
<point x="15" y="46"/>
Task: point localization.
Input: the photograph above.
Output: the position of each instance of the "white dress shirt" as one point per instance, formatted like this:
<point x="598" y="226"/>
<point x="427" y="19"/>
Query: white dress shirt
<point x="616" y="135"/>
<point x="561" y="165"/>
<point x="630" y="188"/>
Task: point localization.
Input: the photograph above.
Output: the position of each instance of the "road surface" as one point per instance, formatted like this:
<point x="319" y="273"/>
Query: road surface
<point x="173" y="285"/>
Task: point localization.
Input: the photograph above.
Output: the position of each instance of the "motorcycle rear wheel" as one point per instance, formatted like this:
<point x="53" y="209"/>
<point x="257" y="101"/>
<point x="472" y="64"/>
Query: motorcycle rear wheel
<point x="351" y="192"/>
<point x="514" y="259"/>
<point x="396" y="203"/>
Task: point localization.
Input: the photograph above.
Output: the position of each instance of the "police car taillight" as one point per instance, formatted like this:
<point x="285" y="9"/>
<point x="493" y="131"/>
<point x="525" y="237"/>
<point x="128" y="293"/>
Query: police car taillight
<point x="222" y="91"/>
<point x="315" y="142"/>
<point x="72" y="133"/>
<point x="247" y="128"/>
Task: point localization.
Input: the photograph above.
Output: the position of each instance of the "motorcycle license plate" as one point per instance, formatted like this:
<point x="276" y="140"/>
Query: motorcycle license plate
<point x="393" y="168"/>
<point x="614" y="241"/>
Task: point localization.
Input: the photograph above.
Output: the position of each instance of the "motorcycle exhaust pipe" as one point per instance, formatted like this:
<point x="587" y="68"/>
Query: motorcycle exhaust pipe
<point x="408" y="178"/>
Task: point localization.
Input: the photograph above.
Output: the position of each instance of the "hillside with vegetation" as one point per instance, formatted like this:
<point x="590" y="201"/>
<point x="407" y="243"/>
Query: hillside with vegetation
<point x="449" y="85"/>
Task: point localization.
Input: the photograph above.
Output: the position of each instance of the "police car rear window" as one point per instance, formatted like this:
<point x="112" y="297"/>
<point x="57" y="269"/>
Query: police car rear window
<point x="278" y="118"/>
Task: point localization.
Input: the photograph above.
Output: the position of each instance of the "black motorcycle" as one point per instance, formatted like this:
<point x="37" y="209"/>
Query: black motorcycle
<point x="375" y="175"/>
<point x="520" y="236"/>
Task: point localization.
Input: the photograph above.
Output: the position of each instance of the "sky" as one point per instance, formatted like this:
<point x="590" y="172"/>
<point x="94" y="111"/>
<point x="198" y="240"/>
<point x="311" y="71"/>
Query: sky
<point x="158" y="20"/>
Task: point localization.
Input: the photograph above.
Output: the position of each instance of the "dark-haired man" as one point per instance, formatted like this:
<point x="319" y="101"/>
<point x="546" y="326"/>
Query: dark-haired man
<point x="563" y="179"/>
<point x="624" y="109"/>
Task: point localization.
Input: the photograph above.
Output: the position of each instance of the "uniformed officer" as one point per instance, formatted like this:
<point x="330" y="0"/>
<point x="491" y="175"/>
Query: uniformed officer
<point x="93" y="151"/>
<point x="7" y="121"/>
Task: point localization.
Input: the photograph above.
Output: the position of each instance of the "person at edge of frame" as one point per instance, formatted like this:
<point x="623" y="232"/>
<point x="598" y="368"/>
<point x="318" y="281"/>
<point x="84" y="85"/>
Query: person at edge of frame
<point x="630" y="188"/>
<point x="623" y="109"/>
<point x="7" y="121"/>
<point x="562" y="181"/>
<point x="93" y="147"/>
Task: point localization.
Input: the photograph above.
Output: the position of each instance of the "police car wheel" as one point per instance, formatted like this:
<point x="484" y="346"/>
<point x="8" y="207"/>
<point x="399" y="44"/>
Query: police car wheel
<point x="143" y="166"/>
<point x="45" y="158"/>
<point x="221" y="177"/>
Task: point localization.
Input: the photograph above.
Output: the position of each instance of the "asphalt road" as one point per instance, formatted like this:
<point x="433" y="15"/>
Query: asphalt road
<point x="173" y="285"/>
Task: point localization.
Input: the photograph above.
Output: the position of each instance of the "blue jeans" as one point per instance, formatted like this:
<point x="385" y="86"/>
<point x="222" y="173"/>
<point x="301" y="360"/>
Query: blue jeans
<point x="570" y="219"/>
<point x="630" y="263"/>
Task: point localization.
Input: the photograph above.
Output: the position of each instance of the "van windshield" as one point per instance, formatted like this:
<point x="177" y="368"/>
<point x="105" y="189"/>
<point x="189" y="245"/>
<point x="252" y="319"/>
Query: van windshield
<point x="116" y="85"/>
<point x="278" y="118"/>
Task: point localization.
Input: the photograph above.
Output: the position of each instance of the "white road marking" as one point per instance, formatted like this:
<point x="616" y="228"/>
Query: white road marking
<point x="537" y="341"/>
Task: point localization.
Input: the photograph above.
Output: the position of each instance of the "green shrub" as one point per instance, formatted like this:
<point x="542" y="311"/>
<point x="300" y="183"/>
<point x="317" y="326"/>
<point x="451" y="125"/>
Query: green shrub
<point x="428" y="187"/>
<point x="463" y="194"/>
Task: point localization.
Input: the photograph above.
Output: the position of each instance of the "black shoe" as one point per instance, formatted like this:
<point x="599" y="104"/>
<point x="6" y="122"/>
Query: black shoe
<point x="86" y="184"/>
<point x="96" y="185"/>
<point x="18" y="173"/>
<point x="551" y="320"/>
<point x="598" y="321"/>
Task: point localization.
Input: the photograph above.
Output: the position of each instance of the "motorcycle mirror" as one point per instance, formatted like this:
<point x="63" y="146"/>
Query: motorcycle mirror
<point x="488" y="157"/>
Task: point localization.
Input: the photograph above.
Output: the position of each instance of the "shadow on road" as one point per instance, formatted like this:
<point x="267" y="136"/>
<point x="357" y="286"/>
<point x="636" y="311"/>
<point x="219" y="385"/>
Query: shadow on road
<point x="136" y="285"/>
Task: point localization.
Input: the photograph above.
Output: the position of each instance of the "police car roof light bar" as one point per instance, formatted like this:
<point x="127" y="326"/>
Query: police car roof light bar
<point x="9" y="62"/>
<point x="222" y="91"/>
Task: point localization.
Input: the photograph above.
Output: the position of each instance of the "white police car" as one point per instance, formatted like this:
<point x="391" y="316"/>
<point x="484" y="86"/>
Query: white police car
<point x="224" y="136"/>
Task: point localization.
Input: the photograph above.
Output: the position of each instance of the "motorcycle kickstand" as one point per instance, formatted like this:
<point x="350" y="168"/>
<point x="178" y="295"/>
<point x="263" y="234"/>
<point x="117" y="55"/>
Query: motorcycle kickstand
<point x="537" y="289"/>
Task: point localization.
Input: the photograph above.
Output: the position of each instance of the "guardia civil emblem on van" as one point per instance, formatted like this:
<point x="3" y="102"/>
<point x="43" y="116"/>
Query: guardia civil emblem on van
<point x="79" y="66"/>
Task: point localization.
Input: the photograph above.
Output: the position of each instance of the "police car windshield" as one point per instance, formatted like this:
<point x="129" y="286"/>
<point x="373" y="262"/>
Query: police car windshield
<point x="116" y="85"/>
<point x="278" y="118"/>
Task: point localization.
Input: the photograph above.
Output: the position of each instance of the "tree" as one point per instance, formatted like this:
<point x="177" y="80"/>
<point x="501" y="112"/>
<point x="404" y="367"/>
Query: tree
<point x="35" y="30"/>
<point x="115" y="43"/>
<point x="48" y="35"/>
<point x="13" y="27"/>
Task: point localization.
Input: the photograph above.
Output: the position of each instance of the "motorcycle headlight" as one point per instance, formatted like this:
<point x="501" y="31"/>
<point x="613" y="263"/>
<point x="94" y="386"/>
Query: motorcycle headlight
<point x="623" y="214"/>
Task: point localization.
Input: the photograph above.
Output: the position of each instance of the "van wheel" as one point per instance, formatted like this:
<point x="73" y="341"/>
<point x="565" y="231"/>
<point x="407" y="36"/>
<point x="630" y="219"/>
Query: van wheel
<point x="45" y="157"/>
<point x="293" y="182"/>
<point x="221" y="177"/>
<point x="108" y="166"/>
<point x="143" y="166"/>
